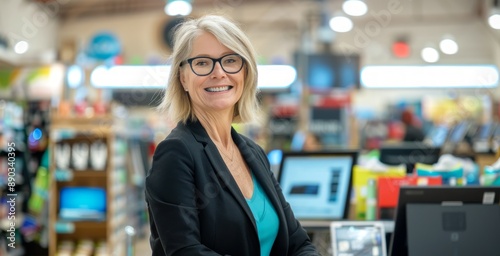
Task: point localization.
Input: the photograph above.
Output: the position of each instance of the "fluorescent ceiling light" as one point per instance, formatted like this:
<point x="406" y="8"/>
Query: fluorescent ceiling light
<point x="448" y="46"/>
<point x="494" y="21"/>
<point x="354" y="7"/>
<point x="21" y="47"/>
<point x="271" y="77"/>
<point x="178" y="7"/>
<point x="430" y="76"/>
<point x="275" y="77"/>
<point x="138" y="77"/>
<point x="430" y="54"/>
<point x="341" y="24"/>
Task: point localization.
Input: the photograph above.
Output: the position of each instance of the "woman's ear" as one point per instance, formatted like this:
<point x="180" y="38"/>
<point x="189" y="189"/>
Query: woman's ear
<point x="183" y="80"/>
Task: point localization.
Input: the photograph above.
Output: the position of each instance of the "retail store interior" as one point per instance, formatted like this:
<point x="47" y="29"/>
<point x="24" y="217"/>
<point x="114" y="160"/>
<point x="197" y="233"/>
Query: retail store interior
<point x="361" y="102"/>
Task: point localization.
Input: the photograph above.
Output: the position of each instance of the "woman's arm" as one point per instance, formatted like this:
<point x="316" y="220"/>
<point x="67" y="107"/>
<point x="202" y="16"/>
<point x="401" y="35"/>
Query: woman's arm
<point x="171" y="198"/>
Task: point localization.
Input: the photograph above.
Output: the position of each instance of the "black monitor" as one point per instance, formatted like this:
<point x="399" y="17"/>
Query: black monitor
<point x="324" y="72"/>
<point x="409" y="153"/>
<point x="426" y="195"/>
<point x="485" y="131"/>
<point x="317" y="185"/>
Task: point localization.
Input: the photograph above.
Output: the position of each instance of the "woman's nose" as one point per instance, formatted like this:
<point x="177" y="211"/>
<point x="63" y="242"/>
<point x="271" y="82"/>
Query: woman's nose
<point x="218" y="71"/>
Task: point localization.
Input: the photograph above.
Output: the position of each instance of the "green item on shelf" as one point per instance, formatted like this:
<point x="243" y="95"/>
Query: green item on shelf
<point x="40" y="191"/>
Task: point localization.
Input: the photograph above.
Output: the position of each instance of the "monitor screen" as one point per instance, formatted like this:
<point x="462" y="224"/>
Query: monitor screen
<point x="485" y="131"/>
<point x="437" y="135"/>
<point x="458" y="133"/>
<point x="82" y="203"/>
<point x="434" y="195"/>
<point x="409" y="153"/>
<point x="326" y="71"/>
<point x="317" y="184"/>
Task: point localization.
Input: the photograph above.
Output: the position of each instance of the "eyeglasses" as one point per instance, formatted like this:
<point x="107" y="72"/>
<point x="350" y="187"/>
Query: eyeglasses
<point x="203" y="66"/>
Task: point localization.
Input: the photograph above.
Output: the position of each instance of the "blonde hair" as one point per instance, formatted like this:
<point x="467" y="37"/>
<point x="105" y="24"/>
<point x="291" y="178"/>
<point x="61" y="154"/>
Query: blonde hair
<point x="176" y="103"/>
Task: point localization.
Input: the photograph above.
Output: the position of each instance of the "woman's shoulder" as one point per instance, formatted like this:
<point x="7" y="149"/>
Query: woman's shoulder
<point x="178" y="136"/>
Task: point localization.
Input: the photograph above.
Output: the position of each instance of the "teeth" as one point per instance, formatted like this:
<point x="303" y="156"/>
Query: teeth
<point x="218" y="89"/>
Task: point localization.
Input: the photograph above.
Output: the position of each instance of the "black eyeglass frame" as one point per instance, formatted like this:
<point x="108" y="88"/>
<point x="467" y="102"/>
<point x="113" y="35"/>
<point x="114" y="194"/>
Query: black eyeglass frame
<point x="214" y="61"/>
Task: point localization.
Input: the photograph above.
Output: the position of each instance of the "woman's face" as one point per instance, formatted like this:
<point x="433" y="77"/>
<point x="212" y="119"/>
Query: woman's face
<point x="217" y="91"/>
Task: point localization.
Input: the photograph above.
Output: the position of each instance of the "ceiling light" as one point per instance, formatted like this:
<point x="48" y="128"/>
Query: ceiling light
<point x="430" y="54"/>
<point x="271" y="77"/>
<point x="448" y="46"/>
<point x="341" y="24"/>
<point x="354" y="7"/>
<point x="178" y="7"/>
<point x="494" y="21"/>
<point x="494" y="18"/>
<point x="430" y="76"/>
<point x="21" y="47"/>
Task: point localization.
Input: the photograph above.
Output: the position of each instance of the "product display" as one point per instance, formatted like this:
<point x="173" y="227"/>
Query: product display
<point x="98" y="155"/>
<point x="62" y="156"/>
<point x="91" y="200"/>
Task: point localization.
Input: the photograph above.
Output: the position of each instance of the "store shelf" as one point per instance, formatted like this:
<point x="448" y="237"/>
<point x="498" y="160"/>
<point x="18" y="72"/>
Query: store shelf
<point x="89" y="174"/>
<point x="95" y="230"/>
<point x="72" y="131"/>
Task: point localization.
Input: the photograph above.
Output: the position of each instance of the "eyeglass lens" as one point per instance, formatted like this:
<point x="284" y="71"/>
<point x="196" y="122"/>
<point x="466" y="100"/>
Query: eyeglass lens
<point x="204" y="66"/>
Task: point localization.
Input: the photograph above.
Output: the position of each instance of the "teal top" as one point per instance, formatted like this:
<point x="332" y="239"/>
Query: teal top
<point x="265" y="217"/>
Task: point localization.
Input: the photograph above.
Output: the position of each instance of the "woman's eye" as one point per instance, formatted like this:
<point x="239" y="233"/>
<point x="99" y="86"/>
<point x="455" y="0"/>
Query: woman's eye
<point x="201" y="63"/>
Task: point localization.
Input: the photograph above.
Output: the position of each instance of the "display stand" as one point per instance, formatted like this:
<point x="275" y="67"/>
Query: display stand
<point x="84" y="156"/>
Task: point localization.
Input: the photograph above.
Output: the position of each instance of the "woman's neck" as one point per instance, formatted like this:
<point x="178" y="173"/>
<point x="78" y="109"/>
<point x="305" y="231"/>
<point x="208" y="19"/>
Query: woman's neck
<point x="218" y="126"/>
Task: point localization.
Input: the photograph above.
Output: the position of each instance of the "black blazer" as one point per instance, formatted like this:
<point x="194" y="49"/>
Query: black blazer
<point x="196" y="208"/>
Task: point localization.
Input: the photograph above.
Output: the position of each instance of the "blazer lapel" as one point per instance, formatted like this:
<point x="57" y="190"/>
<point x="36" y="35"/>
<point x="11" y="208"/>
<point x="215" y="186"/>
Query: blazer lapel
<point x="259" y="170"/>
<point x="220" y="167"/>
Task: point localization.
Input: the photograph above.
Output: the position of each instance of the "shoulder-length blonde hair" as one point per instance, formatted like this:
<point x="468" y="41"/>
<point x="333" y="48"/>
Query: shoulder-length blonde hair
<point x="176" y="103"/>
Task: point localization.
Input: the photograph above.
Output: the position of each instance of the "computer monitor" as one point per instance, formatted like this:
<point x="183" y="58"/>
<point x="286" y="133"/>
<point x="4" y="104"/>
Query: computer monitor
<point x="457" y="134"/>
<point x="82" y="203"/>
<point x="434" y="195"/>
<point x="409" y="153"/>
<point x="485" y="131"/>
<point x="453" y="229"/>
<point x="317" y="185"/>
<point x="437" y="135"/>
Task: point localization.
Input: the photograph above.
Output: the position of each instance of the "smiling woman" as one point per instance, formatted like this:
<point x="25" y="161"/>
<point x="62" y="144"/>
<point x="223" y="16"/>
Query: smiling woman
<point x="205" y="175"/>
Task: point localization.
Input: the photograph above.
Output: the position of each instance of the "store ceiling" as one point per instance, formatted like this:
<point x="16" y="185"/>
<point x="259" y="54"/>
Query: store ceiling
<point x="75" y="9"/>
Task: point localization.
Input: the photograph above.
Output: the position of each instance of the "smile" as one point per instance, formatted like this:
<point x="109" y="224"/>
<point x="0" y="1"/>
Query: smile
<point x="219" y="89"/>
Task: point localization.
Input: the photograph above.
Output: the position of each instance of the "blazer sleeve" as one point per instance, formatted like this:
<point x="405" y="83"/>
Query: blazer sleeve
<point x="171" y="197"/>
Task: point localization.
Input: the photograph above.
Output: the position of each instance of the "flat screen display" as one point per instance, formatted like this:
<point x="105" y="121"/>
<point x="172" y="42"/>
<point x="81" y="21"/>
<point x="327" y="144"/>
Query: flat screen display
<point x="317" y="184"/>
<point x="327" y="71"/>
<point x="363" y="238"/>
<point x="82" y="203"/>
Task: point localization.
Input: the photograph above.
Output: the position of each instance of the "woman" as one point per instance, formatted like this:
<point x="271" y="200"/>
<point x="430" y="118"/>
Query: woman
<point x="210" y="190"/>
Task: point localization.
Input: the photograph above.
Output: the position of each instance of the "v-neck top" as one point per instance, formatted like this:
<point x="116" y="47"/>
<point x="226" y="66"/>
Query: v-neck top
<point x="265" y="217"/>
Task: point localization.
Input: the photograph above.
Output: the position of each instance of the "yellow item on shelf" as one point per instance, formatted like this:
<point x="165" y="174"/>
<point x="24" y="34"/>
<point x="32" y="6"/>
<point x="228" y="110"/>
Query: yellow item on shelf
<point x="362" y="175"/>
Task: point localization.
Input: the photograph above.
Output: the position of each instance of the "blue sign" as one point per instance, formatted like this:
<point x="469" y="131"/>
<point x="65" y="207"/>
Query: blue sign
<point x="103" y="45"/>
